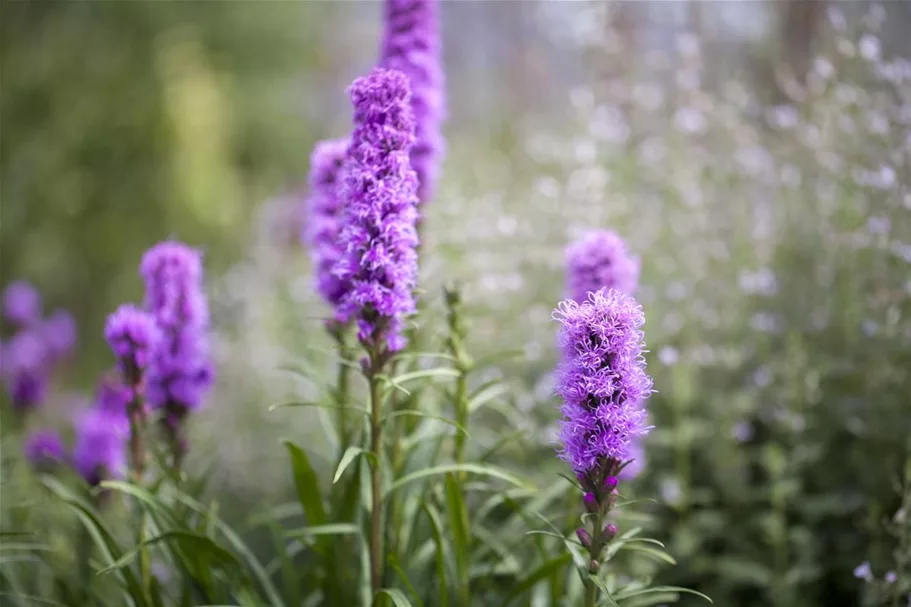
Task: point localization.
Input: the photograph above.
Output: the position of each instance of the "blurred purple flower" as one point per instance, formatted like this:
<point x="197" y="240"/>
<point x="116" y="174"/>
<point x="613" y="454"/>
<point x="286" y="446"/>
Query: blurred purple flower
<point x="412" y="45"/>
<point x="58" y="331"/>
<point x="378" y="189"/>
<point x="891" y="577"/>
<point x="598" y="260"/>
<point x="134" y="338"/>
<point x="24" y="360"/>
<point x="324" y="211"/>
<point x="180" y="372"/>
<point x="21" y="304"/>
<point x="112" y="397"/>
<point x="44" y="449"/>
<point x="863" y="571"/>
<point x="637" y="455"/>
<point x="100" y="449"/>
<point x="602" y="381"/>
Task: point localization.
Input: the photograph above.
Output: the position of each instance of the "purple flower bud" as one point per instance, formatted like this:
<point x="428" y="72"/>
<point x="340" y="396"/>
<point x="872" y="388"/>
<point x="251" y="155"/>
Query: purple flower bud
<point x="608" y="533"/>
<point x="100" y="449"/>
<point x="44" y="449"/>
<point x="324" y="212"/>
<point x="412" y="45"/>
<point x="584" y="537"/>
<point x="891" y="577"/>
<point x="21" y="304"/>
<point x="610" y="483"/>
<point x="591" y="503"/>
<point x="134" y="337"/>
<point x="600" y="261"/>
<point x="602" y="380"/>
<point x="378" y="189"/>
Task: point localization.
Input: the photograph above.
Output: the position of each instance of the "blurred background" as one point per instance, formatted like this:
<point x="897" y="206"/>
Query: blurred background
<point x="754" y="154"/>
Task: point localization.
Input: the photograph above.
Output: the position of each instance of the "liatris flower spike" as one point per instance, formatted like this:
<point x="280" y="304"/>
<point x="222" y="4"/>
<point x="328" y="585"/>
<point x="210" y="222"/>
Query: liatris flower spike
<point x="181" y="371"/>
<point x="603" y="384"/>
<point x="324" y="211"/>
<point x="21" y="304"/>
<point x="44" y="449"/>
<point x="25" y="369"/>
<point x="378" y="233"/>
<point x="412" y="45"/>
<point x="600" y="260"/>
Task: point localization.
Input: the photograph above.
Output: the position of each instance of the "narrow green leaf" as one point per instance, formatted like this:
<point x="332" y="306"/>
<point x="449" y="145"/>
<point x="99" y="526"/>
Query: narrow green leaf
<point x="424" y="414"/>
<point x="609" y="599"/>
<point x="552" y="534"/>
<point x="348" y="457"/>
<point x="404" y="378"/>
<point x="486" y="361"/>
<point x="32" y="598"/>
<point x="485" y="394"/>
<point x="676" y="589"/>
<point x="307" y="485"/>
<point x="394" y="563"/>
<point x="461" y="533"/>
<point x="330" y="529"/>
<point x="195" y="544"/>
<point x="657" y="554"/>
<point x="397" y="597"/>
<point x="436" y="528"/>
<point x="480" y="469"/>
<point x="542" y="572"/>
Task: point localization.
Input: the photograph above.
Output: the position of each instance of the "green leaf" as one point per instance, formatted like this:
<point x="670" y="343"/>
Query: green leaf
<point x="620" y="596"/>
<point x="195" y="544"/>
<point x="418" y="413"/>
<point x="542" y="572"/>
<point x="461" y="533"/>
<point x="485" y="394"/>
<point x="486" y="361"/>
<point x="395" y="383"/>
<point x="436" y="529"/>
<point x="32" y="598"/>
<point x="307" y="485"/>
<point x="483" y="470"/>
<point x="330" y="529"/>
<point x="397" y="597"/>
<point x="606" y="593"/>
<point x="259" y="572"/>
<point x="559" y="536"/>
<point x="348" y="457"/>
<point x="660" y="555"/>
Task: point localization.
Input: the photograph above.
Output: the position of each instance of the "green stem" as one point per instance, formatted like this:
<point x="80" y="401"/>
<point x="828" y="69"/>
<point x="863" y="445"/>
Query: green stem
<point x="594" y="553"/>
<point x="376" y="516"/>
<point x="904" y="544"/>
<point x="137" y="463"/>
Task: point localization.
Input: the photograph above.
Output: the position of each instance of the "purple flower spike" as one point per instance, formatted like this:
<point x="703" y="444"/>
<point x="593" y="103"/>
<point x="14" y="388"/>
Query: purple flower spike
<point x="100" y="450"/>
<point x="25" y="369"/>
<point x="602" y="381"/>
<point x="180" y="372"/>
<point x="44" y="449"/>
<point x="21" y="304"/>
<point x="412" y="45"/>
<point x="324" y="211"/>
<point x="113" y="397"/>
<point x="600" y="260"/>
<point x="134" y="337"/>
<point x="378" y="188"/>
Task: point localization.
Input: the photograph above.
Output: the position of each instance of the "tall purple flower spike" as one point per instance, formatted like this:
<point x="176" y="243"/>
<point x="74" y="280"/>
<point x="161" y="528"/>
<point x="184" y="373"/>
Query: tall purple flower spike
<point x="378" y="189"/>
<point x="324" y="214"/>
<point x="100" y="450"/>
<point x="412" y="45"/>
<point x="180" y="372"/>
<point x="21" y="304"/>
<point x="26" y="369"/>
<point x="600" y="260"/>
<point x="602" y="381"/>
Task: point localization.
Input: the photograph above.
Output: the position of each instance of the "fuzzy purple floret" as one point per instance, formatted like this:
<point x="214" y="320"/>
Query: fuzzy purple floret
<point x="378" y="189"/>
<point x="600" y="260"/>
<point x="59" y="334"/>
<point x="133" y="337"/>
<point x="412" y="45"/>
<point x="44" y="448"/>
<point x="100" y="449"/>
<point x="21" y="304"/>
<point x="25" y="369"/>
<point x="324" y="211"/>
<point x="602" y="381"/>
<point x="112" y="396"/>
<point x="180" y="373"/>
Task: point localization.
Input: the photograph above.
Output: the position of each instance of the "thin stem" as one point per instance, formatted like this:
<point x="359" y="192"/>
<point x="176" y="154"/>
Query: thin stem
<point x="904" y="544"/>
<point x="136" y="415"/>
<point x="376" y="516"/>
<point x="594" y="553"/>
